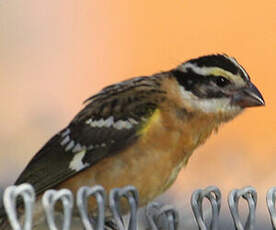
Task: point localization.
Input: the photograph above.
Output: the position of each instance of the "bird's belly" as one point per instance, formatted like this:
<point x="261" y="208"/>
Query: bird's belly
<point x="149" y="165"/>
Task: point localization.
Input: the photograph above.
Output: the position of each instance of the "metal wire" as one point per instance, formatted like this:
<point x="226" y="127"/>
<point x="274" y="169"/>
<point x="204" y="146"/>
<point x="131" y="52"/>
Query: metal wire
<point x="131" y="194"/>
<point x="213" y="194"/>
<point x="270" y="200"/>
<point x="82" y="197"/>
<point x="159" y="217"/>
<point x="250" y="195"/>
<point x="49" y="200"/>
<point x="11" y="195"/>
<point x="162" y="216"/>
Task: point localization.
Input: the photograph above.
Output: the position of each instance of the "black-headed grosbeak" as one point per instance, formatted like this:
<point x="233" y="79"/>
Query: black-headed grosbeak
<point x="142" y="131"/>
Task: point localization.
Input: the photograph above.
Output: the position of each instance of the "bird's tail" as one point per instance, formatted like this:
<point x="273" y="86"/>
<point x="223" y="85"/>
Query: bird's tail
<point x="110" y="225"/>
<point x="4" y="223"/>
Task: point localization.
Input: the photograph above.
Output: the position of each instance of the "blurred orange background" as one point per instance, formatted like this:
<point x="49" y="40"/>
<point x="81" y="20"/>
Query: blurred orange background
<point x="55" y="54"/>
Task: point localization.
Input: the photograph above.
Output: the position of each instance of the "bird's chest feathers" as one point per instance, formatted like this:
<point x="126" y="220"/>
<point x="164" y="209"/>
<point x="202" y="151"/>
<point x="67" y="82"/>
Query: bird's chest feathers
<point x="182" y="135"/>
<point x="169" y="141"/>
<point x="195" y="132"/>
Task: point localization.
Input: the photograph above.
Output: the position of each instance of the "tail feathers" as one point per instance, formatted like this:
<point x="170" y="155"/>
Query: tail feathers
<point x="2" y="209"/>
<point x="110" y="225"/>
<point x="4" y="223"/>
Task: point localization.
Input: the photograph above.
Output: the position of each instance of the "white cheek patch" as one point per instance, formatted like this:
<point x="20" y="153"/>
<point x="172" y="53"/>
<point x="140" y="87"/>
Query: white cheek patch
<point x="204" y="71"/>
<point x="109" y="122"/>
<point x="209" y="105"/>
<point x="76" y="163"/>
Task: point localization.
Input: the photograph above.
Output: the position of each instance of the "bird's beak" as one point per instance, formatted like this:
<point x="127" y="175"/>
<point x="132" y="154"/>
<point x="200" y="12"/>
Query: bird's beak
<point x="248" y="96"/>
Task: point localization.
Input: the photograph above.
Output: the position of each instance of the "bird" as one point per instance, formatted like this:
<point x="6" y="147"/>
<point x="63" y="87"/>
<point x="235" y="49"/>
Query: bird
<point x="143" y="130"/>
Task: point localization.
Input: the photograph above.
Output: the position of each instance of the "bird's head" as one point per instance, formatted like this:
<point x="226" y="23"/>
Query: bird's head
<point x="216" y="84"/>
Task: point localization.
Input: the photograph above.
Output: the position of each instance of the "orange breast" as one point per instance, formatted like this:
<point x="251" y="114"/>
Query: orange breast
<point x="151" y="164"/>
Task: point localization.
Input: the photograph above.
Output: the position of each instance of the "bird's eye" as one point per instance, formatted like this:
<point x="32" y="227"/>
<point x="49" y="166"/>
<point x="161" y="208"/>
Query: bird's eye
<point x="222" y="81"/>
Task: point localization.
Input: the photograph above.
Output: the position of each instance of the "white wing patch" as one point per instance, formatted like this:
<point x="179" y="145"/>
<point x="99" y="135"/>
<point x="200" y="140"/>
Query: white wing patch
<point x="96" y="146"/>
<point x="76" y="163"/>
<point x="65" y="133"/>
<point x="77" y="148"/>
<point x="122" y="125"/>
<point x="70" y="145"/>
<point x="66" y="137"/>
<point x="65" y="140"/>
<point x="109" y="122"/>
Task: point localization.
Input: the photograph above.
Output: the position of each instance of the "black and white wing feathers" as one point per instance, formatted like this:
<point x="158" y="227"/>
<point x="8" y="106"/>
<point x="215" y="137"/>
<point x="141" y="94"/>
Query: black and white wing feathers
<point x="109" y="123"/>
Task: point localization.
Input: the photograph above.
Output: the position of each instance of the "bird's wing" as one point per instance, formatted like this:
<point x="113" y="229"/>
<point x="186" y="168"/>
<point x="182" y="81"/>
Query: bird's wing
<point x="109" y="123"/>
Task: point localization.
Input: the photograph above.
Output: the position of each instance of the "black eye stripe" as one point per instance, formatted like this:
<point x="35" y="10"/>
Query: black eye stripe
<point x="199" y="85"/>
<point x="189" y="78"/>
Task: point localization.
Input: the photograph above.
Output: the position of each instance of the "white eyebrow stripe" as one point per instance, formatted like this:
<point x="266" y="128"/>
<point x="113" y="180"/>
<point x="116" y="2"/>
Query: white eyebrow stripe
<point x="199" y="70"/>
<point x="207" y="70"/>
<point x="203" y="70"/>
<point x="238" y="65"/>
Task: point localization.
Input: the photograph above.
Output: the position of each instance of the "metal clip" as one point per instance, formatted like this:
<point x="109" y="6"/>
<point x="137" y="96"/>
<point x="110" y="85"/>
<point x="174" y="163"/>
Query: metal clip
<point x="49" y="199"/>
<point x="270" y="200"/>
<point x="213" y="194"/>
<point x="250" y="195"/>
<point x="162" y="216"/>
<point x="131" y="194"/>
<point x="82" y="197"/>
<point x="10" y="197"/>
